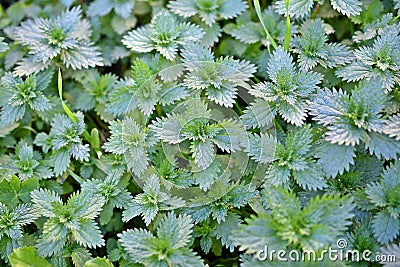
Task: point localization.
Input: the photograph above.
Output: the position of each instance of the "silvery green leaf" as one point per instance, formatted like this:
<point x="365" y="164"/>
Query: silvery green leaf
<point x="203" y="153"/>
<point x="3" y="45"/>
<point x="66" y="36"/>
<point x="163" y="25"/>
<point x="385" y="227"/>
<point x="258" y="114"/>
<point x="331" y="163"/>
<point x="347" y="7"/>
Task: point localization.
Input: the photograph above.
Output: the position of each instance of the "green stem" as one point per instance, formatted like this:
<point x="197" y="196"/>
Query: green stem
<point x="158" y="110"/>
<point x="315" y="13"/>
<point x="151" y="227"/>
<point x="259" y="14"/>
<point x="394" y="19"/>
<point x="238" y="108"/>
<point x="251" y="8"/>
<point x="288" y="33"/>
<point x="99" y="122"/>
<point x="278" y="126"/>
<point x="30" y="129"/>
<point x="77" y="178"/>
<point x="70" y="114"/>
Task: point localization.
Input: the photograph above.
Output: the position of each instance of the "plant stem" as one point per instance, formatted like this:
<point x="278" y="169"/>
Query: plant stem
<point x="251" y="8"/>
<point x="238" y="108"/>
<point x="278" y="126"/>
<point x="158" y="110"/>
<point x="288" y="33"/>
<point x="70" y="114"/>
<point x="77" y="178"/>
<point x="315" y="13"/>
<point x="394" y="19"/>
<point x="259" y="14"/>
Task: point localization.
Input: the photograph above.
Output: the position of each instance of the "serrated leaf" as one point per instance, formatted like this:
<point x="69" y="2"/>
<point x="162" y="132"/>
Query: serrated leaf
<point x="144" y="39"/>
<point x="61" y="161"/>
<point x="225" y="229"/>
<point x="382" y="146"/>
<point x="309" y="179"/>
<point x="297" y="8"/>
<point x="347" y="7"/>
<point x="385" y="227"/>
<point x="80" y="256"/>
<point x="45" y="201"/>
<point x="88" y="235"/>
<point x="203" y="153"/>
<point x="393" y="127"/>
<point x="66" y="36"/>
<point x="258" y="114"/>
<point x="262" y="147"/>
<point x="335" y="159"/>
<point x="3" y="45"/>
<point x="172" y="233"/>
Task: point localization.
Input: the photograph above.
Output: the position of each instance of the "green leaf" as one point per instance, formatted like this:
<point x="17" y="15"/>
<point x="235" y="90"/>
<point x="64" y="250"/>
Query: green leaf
<point x="258" y="114"/>
<point x="203" y="153"/>
<point x="26" y="257"/>
<point x="343" y="114"/>
<point x="287" y="224"/>
<point x="382" y="146"/>
<point x="385" y="227"/>
<point x="46" y="201"/>
<point x="331" y="163"/>
<point x="27" y="187"/>
<point x="88" y="235"/>
<point x="393" y="127"/>
<point x="13" y="191"/>
<point x="80" y="256"/>
<point x="163" y="25"/>
<point x="220" y="78"/>
<point x="226" y="9"/>
<point x="3" y="45"/>
<point x="150" y="202"/>
<point x="309" y="179"/>
<point x="61" y="161"/>
<point x="347" y="7"/>
<point x="224" y="230"/>
<point x="205" y="177"/>
<point x="9" y="190"/>
<point x="172" y="234"/>
<point x="313" y="48"/>
<point x="289" y="89"/>
<point x="296" y="8"/>
<point x="99" y="262"/>
<point x="65" y="37"/>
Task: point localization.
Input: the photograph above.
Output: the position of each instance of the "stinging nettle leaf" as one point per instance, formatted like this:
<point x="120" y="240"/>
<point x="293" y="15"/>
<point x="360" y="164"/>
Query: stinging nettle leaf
<point x="65" y="36"/>
<point x="164" y="24"/>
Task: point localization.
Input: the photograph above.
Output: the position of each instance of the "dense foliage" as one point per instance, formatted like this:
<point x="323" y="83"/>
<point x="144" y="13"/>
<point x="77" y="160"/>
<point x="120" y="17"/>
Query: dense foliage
<point x="198" y="132"/>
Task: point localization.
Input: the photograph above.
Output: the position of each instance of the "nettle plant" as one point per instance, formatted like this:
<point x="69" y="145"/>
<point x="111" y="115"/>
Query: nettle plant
<point x="198" y="132"/>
